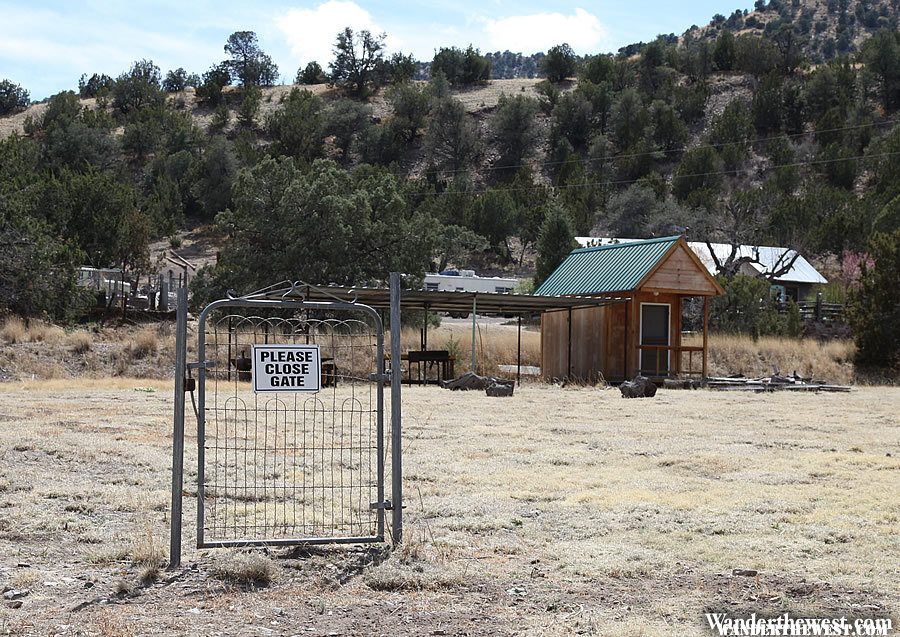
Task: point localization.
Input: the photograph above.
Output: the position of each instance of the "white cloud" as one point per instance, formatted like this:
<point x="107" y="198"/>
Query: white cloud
<point x="540" y="31"/>
<point x="310" y="33"/>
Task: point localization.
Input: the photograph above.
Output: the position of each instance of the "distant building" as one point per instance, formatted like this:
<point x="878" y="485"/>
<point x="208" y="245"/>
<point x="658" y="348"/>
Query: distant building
<point x="798" y="282"/>
<point x="467" y="281"/>
<point x="106" y="281"/>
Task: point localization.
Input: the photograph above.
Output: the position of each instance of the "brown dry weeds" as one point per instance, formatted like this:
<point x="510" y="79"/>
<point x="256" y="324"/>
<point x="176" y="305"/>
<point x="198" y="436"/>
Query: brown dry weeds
<point x="555" y="512"/>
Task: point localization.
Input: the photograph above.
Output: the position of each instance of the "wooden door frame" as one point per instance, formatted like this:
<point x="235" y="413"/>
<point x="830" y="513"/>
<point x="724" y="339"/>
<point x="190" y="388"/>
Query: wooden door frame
<point x="640" y="340"/>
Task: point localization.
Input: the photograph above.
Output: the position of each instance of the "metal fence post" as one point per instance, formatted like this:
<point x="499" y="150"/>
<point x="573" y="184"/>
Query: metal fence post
<point x="396" y="452"/>
<point x="178" y="428"/>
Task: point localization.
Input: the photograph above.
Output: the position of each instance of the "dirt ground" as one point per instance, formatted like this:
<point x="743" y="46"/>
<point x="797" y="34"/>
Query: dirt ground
<point x="554" y="512"/>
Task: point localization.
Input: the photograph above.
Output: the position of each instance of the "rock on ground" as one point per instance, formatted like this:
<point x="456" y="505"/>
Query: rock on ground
<point x="640" y="387"/>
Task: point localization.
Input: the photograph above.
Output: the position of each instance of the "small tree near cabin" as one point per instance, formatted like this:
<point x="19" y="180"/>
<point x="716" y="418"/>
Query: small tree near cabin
<point x="555" y="241"/>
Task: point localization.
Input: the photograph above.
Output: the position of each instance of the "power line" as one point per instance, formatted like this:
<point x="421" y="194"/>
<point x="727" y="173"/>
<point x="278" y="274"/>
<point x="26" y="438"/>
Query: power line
<point x="620" y="182"/>
<point x="672" y="151"/>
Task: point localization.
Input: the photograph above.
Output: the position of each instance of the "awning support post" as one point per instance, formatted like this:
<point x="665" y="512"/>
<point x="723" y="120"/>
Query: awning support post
<point x="519" y="355"/>
<point x="474" y="307"/>
<point x="425" y="330"/>
<point x="569" y="349"/>
<point x="625" y="345"/>
<point x="705" y="332"/>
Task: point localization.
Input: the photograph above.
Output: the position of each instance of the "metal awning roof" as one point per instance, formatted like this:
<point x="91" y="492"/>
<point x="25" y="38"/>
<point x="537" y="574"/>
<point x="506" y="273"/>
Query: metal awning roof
<point x="482" y="302"/>
<point x="605" y="269"/>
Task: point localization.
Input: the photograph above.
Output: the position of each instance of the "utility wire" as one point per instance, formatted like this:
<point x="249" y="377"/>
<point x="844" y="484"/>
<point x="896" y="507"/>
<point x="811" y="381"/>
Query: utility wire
<point x="673" y="151"/>
<point x="619" y="182"/>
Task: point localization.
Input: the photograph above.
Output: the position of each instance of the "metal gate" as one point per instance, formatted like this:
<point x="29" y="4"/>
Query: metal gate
<point x="288" y="467"/>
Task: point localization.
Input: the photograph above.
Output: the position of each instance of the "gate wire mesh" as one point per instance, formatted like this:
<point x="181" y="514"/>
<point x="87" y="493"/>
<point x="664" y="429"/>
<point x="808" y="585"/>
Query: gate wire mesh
<point x="291" y="467"/>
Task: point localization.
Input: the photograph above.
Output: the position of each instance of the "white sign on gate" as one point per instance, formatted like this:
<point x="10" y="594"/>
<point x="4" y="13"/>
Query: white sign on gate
<point x="286" y="368"/>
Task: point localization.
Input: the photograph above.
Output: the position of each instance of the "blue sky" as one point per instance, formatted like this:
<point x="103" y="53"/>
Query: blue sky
<point x="48" y="44"/>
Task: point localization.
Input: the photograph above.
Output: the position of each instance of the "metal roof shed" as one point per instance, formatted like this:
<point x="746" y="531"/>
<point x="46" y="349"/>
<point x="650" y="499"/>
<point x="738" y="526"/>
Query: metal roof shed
<point x="643" y="335"/>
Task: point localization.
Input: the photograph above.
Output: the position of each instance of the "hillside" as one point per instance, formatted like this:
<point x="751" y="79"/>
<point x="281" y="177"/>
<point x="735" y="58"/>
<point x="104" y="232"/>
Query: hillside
<point x="732" y="138"/>
<point x="820" y="29"/>
<point x="476" y="99"/>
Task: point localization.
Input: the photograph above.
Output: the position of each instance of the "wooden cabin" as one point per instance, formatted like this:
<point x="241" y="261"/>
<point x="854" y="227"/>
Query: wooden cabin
<point x="639" y="330"/>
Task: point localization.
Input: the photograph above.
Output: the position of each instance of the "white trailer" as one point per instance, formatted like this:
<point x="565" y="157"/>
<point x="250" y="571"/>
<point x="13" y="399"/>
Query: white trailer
<point x="467" y="281"/>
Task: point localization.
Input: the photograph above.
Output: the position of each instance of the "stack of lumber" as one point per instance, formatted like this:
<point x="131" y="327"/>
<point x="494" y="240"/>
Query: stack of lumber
<point x="772" y="383"/>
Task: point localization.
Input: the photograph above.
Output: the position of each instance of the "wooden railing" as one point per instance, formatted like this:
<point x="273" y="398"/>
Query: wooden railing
<point x="675" y="353"/>
<point x="817" y="311"/>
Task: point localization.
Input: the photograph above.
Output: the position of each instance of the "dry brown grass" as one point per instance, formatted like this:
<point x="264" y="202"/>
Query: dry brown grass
<point x="413" y="567"/>
<point x="43" y="332"/>
<point x="13" y="331"/>
<point x="149" y="550"/>
<point x="556" y="512"/>
<point x="16" y="330"/>
<point x="831" y="361"/>
<point x="41" y="351"/>
<point x="86" y="385"/>
<point x="144" y="343"/>
<point x="80" y="341"/>
<point x="496" y="344"/>
<point x="244" y="569"/>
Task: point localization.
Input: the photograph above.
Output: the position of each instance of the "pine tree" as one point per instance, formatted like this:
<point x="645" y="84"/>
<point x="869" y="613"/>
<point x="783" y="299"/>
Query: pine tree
<point x="555" y="241"/>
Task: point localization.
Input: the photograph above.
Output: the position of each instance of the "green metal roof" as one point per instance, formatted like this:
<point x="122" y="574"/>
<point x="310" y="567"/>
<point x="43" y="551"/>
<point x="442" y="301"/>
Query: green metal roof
<point x="618" y="267"/>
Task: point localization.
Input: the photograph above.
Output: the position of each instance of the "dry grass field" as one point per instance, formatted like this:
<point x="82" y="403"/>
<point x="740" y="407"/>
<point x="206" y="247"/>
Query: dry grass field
<point x="41" y="351"/>
<point x="728" y="354"/>
<point x="554" y="512"/>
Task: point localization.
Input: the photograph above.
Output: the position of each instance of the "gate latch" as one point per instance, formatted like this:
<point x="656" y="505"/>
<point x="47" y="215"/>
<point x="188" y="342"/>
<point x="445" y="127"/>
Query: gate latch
<point x="190" y="383"/>
<point x="201" y="365"/>
<point x="386" y="505"/>
<point x="380" y="378"/>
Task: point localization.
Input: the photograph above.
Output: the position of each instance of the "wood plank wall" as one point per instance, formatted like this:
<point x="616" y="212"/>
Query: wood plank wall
<point x="598" y="338"/>
<point x="680" y="273"/>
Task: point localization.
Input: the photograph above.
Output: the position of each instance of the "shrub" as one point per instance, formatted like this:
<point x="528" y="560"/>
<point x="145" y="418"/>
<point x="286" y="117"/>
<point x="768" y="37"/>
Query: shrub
<point x="246" y="569"/>
<point x="874" y="312"/>
<point x="144" y="343"/>
<point x="312" y="73"/>
<point x="461" y="68"/>
<point x="14" y="331"/>
<point x="559" y="63"/>
<point x="747" y="308"/>
<point x="13" y="98"/>
<point x="80" y="342"/>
